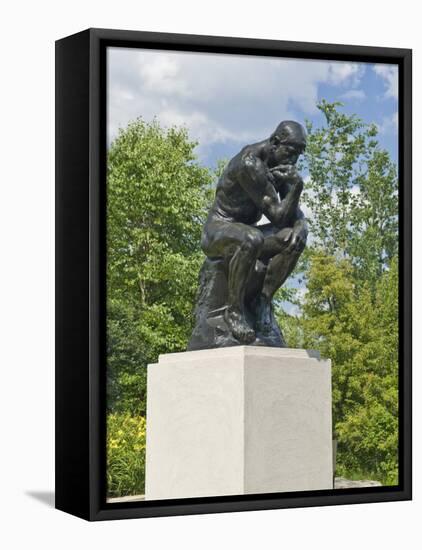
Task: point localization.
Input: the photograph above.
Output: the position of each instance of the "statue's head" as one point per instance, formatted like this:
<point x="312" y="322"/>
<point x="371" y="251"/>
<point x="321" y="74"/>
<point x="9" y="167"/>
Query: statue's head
<point x="287" y="142"/>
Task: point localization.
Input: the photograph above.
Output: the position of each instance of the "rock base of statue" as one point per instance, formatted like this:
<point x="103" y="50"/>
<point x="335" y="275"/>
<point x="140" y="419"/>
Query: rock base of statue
<point x="238" y="420"/>
<point x="210" y="329"/>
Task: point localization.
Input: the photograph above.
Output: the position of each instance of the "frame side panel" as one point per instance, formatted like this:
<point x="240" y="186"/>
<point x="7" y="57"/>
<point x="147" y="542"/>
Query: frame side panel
<point x="72" y="269"/>
<point x="405" y="276"/>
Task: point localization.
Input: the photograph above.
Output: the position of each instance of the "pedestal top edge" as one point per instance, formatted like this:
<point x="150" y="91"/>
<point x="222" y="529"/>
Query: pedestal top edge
<point x="240" y="351"/>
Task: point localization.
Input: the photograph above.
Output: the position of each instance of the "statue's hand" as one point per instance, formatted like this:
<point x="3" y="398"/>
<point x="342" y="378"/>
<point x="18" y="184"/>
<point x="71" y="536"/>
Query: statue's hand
<point x="297" y="239"/>
<point x="287" y="173"/>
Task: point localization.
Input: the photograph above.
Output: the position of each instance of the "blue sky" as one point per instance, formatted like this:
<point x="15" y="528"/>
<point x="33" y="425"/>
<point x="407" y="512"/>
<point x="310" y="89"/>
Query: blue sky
<point x="229" y="101"/>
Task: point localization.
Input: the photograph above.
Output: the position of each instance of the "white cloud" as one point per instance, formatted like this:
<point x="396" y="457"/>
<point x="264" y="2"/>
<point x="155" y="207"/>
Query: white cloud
<point x="161" y="75"/>
<point x="199" y="124"/>
<point x="389" y="124"/>
<point x="390" y="75"/>
<point x="219" y="98"/>
<point x="341" y="73"/>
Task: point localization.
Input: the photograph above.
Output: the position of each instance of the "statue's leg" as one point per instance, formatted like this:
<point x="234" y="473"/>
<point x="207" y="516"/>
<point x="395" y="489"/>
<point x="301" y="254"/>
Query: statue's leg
<point x="241" y="244"/>
<point x="278" y="271"/>
<point x="280" y="263"/>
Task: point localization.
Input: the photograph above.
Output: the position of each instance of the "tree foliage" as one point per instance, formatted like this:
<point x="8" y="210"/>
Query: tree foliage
<point x="352" y="192"/>
<point x="126" y="435"/>
<point x="156" y="202"/>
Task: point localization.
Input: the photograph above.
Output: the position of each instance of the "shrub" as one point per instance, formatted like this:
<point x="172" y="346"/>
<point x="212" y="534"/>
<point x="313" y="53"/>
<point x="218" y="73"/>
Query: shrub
<point x="125" y="455"/>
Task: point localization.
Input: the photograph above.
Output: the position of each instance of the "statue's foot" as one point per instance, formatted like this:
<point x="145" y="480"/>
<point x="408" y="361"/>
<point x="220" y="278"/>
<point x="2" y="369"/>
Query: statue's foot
<point x="264" y="318"/>
<point x="238" y="326"/>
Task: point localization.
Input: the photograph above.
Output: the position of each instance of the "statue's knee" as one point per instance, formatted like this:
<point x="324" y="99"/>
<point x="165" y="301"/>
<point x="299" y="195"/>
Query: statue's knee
<point x="254" y="241"/>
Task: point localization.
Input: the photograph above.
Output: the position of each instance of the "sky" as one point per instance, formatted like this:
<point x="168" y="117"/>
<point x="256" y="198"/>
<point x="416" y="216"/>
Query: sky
<point x="228" y="101"/>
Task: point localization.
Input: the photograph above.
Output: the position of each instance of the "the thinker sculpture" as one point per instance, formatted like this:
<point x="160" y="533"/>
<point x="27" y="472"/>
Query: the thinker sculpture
<point x="246" y="263"/>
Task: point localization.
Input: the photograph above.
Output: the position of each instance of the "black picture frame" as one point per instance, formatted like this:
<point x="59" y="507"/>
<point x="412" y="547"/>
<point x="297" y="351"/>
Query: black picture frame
<point x="80" y="272"/>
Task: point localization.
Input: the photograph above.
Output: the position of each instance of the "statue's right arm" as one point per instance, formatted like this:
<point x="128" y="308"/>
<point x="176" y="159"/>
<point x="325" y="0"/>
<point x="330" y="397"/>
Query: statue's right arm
<point x="255" y="179"/>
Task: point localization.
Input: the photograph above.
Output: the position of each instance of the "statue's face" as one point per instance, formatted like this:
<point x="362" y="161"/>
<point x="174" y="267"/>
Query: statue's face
<point x="283" y="153"/>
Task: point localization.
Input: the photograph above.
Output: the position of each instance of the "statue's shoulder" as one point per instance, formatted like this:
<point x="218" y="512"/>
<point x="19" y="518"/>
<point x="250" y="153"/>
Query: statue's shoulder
<point x="238" y="160"/>
<point x="249" y="152"/>
<point x="248" y="155"/>
<point x="252" y="149"/>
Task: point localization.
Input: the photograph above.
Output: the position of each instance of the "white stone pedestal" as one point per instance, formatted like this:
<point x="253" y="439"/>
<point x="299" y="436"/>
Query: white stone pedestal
<point x="238" y="420"/>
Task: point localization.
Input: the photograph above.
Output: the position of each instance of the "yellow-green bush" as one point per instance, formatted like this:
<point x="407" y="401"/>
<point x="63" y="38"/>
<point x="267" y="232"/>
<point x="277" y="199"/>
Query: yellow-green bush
<point x="125" y="455"/>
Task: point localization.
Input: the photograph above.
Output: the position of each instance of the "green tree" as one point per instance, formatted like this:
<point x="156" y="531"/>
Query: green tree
<point x="351" y="192"/>
<point x="157" y="197"/>
<point x="368" y="429"/>
<point x="358" y="330"/>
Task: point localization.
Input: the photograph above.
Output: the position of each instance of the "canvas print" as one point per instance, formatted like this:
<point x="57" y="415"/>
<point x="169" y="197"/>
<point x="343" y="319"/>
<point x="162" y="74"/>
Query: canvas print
<point x="252" y="275"/>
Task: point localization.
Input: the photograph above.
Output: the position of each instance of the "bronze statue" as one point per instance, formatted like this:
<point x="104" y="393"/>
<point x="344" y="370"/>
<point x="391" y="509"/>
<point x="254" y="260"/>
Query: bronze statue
<point x="246" y="263"/>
